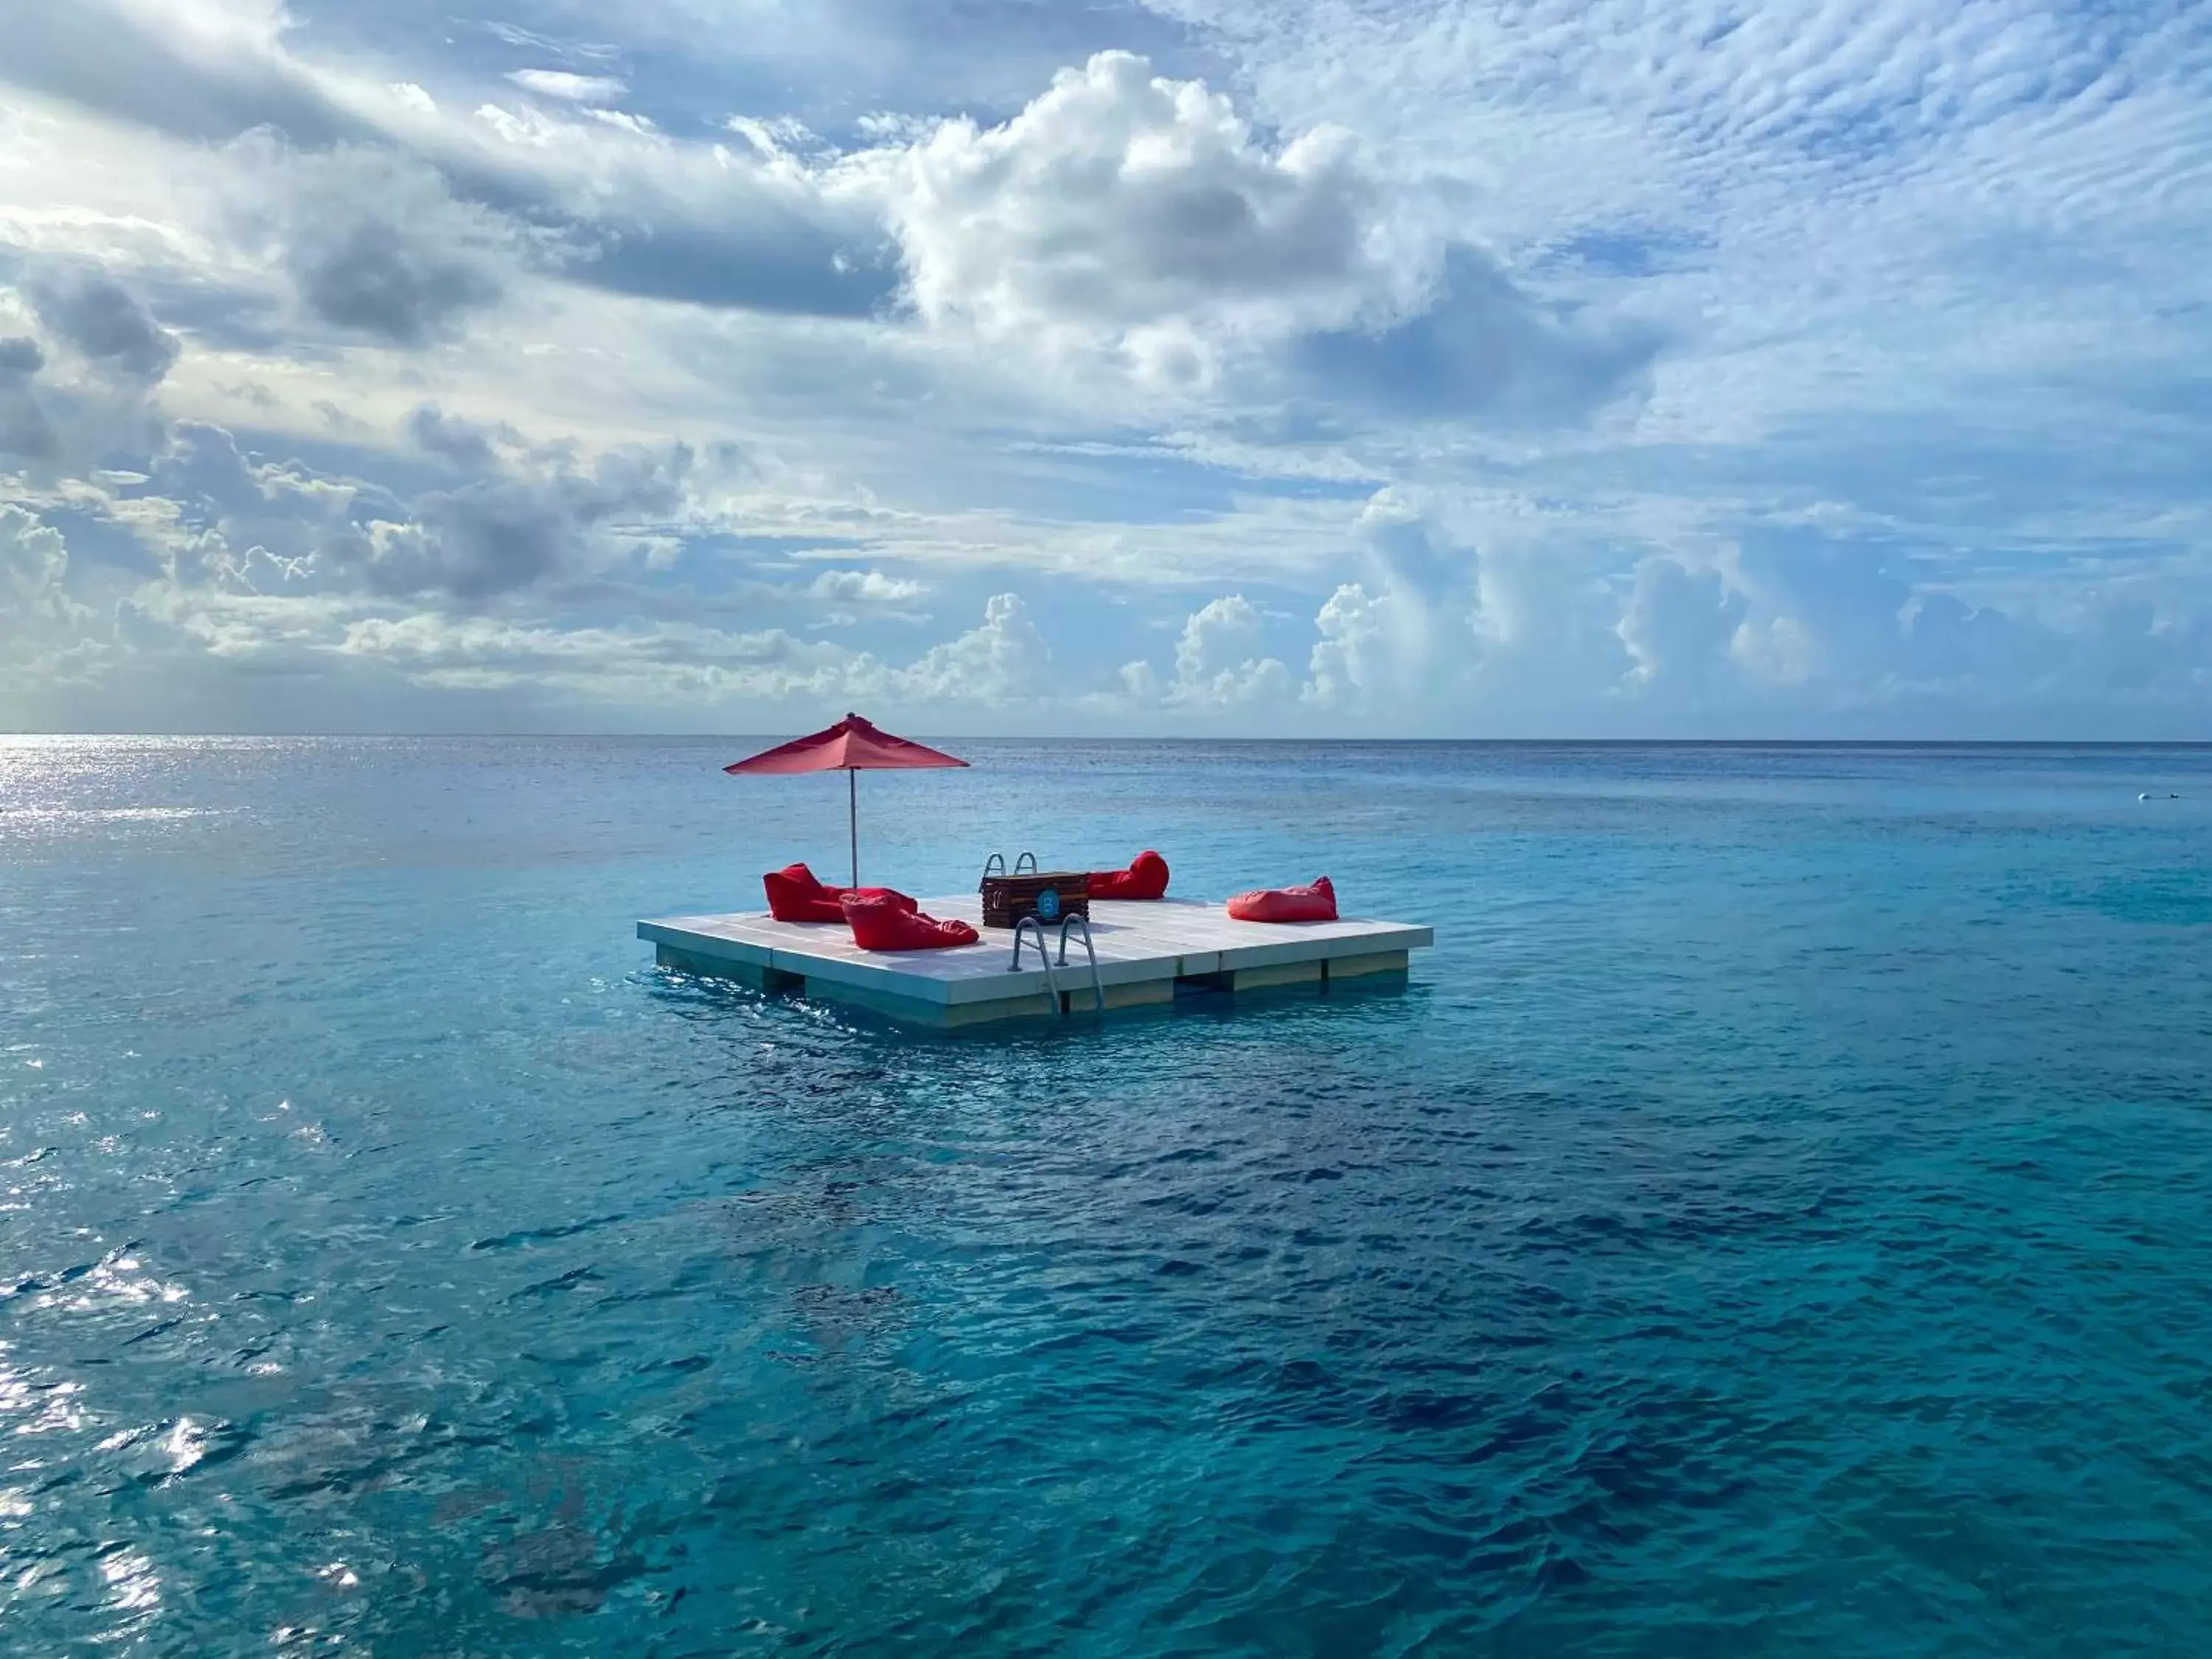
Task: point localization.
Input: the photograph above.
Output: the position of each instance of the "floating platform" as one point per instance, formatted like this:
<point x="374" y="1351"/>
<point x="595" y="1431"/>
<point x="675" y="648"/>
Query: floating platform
<point x="1148" y="953"/>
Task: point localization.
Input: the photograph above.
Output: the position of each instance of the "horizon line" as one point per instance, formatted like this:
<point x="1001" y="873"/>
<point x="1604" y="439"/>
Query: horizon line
<point x="1176" y="738"/>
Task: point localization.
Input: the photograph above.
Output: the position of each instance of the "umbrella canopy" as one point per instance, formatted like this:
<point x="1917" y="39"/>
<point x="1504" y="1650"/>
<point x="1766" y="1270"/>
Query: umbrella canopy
<point x="851" y="745"/>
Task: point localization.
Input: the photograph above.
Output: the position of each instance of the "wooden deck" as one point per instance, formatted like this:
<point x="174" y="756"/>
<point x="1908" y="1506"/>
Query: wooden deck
<point x="1145" y="952"/>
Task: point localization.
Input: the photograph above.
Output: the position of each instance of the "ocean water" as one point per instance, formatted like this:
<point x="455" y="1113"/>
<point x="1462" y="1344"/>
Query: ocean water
<point x="1777" y="1218"/>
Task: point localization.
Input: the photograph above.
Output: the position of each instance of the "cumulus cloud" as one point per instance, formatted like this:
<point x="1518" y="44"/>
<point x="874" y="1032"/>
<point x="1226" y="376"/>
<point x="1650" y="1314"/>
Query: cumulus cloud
<point x="499" y="535"/>
<point x="1125" y="214"/>
<point x="40" y="620"/>
<point x="33" y="560"/>
<point x="377" y="243"/>
<point x="104" y="323"/>
<point x="1948" y="640"/>
<point x="1679" y="622"/>
<point x="1411" y="629"/>
<point x="1436" y="626"/>
<point x="1806" y="623"/>
<point x="1353" y="658"/>
<point x="1480" y="347"/>
<point x="540" y="516"/>
<point x="1139" y="213"/>
<point x="1218" y="662"/>
<point x="463" y="443"/>
<point x="24" y="427"/>
<point x="1004" y="662"/>
<point x="87" y="387"/>
<point x="203" y="503"/>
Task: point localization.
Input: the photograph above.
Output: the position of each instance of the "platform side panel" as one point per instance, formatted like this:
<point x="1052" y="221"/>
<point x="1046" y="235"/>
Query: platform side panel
<point x="1362" y="967"/>
<point x="1073" y="975"/>
<point x="1318" y="946"/>
<point x="1270" y="976"/>
<point x="885" y="980"/>
<point x="932" y="1016"/>
<point x="752" y="975"/>
<point x="707" y="946"/>
<point x="1137" y="993"/>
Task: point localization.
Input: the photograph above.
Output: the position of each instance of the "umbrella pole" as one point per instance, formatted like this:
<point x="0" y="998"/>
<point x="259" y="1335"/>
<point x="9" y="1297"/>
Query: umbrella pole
<point x="853" y="819"/>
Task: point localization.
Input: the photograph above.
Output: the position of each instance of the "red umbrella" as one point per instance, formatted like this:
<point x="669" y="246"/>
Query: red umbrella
<point x="851" y="745"/>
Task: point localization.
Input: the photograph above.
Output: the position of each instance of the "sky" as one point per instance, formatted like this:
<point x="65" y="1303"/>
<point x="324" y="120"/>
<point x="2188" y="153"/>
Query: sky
<point x="1662" y="368"/>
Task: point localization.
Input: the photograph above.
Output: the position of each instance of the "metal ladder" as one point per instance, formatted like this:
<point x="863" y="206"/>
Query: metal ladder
<point x="1026" y="864"/>
<point x="1031" y="924"/>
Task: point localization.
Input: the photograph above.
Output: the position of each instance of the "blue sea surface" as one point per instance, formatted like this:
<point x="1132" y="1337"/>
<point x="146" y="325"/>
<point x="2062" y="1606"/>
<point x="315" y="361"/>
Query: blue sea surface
<point x="1775" y="1218"/>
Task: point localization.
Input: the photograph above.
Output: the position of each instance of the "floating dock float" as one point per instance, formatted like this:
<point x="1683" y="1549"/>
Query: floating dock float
<point x="1147" y="954"/>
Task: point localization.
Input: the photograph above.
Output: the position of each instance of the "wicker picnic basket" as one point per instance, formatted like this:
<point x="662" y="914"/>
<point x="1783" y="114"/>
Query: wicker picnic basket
<point x="1048" y="895"/>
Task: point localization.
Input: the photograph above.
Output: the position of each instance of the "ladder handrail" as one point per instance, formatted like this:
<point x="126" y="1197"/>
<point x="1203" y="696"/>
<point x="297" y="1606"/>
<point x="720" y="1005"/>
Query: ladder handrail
<point x="1022" y="929"/>
<point x="1070" y="919"/>
<point x="999" y="858"/>
<point x="1029" y="858"/>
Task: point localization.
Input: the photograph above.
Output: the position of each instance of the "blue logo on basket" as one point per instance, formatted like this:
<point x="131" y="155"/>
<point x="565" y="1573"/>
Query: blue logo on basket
<point x="1049" y="903"/>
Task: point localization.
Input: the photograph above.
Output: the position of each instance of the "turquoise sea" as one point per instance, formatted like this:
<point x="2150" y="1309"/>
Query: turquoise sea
<point x="1777" y="1218"/>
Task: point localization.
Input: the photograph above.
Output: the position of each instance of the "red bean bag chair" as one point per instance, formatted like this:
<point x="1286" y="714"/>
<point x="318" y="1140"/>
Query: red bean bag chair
<point x="1146" y="877"/>
<point x="881" y="923"/>
<point x="1314" y="902"/>
<point x="795" y="894"/>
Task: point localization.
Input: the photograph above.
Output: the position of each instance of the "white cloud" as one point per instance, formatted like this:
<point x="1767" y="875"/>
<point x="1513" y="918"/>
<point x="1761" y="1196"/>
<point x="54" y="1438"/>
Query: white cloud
<point x="646" y="664"/>
<point x="106" y="326"/>
<point x="527" y="518"/>
<point x="1003" y="663"/>
<point x="1379" y="654"/>
<point x="25" y="429"/>
<point x="1219" y="664"/>
<point x="42" y="627"/>
<point x="1352" y="658"/>
<point x="84" y="381"/>
<point x="568" y="87"/>
<point x="864" y="587"/>
<point x="1679" y="624"/>
<point x="34" y="559"/>
<point x="376" y="244"/>
<point x="1126" y="211"/>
